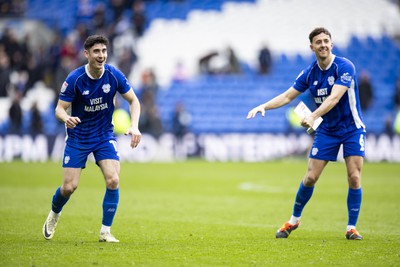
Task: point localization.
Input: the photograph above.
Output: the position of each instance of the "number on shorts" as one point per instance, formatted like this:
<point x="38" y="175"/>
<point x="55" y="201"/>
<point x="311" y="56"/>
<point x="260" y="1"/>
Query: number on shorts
<point x="362" y="142"/>
<point x="114" y="143"/>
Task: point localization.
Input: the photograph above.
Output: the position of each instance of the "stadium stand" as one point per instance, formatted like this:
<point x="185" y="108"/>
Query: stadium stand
<point x="187" y="29"/>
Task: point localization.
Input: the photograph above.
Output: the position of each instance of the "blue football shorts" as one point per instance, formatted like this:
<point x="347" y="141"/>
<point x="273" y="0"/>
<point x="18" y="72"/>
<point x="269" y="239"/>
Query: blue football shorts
<point x="75" y="155"/>
<point x="326" y="145"/>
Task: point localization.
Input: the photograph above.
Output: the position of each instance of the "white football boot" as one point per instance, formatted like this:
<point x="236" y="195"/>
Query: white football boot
<point x="108" y="237"/>
<point x="49" y="227"/>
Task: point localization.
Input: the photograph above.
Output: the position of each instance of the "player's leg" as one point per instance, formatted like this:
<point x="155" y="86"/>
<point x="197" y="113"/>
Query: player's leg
<point x="110" y="169"/>
<point x="108" y="160"/>
<point x="71" y="178"/>
<point x="74" y="160"/>
<point x="324" y="149"/>
<point x="304" y="193"/>
<point x="306" y="188"/>
<point x="354" y="153"/>
<point x="354" y="195"/>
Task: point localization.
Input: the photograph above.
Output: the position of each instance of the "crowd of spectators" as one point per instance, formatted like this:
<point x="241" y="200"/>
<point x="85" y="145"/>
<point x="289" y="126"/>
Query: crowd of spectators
<point x="23" y="66"/>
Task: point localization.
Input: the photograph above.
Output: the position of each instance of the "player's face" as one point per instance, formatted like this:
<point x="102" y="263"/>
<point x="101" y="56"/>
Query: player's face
<point x="322" y="46"/>
<point x="97" y="56"/>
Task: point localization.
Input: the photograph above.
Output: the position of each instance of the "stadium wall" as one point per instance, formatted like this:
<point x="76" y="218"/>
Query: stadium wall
<point x="210" y="147"/>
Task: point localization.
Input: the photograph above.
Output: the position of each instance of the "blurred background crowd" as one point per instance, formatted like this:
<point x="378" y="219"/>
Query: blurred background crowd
<point x="189" y="80"/>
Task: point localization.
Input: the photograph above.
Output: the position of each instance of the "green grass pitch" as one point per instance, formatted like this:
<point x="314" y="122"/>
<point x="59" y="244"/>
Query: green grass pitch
<point x="197" y="213"/>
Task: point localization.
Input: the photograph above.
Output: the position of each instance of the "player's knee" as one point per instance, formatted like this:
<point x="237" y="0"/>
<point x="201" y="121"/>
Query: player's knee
<point x="310" y="181"/>
<point x="354" y="181"/>
<point x="68" y="189"/>
<point x="113" y="182"/>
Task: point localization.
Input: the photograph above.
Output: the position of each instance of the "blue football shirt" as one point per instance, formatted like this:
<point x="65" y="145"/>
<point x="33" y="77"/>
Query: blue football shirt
<point x="92" y="101"/>
<point x="346" y="115"/>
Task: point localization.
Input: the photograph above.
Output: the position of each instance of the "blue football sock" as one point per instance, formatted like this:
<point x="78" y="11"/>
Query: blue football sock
<point x="58" y="201"/>
<point x="303" y="195"/>
<point x="354" y="197"/>
<point x="110" y="204"/>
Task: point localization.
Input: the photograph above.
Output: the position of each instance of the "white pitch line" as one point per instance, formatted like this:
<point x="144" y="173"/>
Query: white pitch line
<point x="260" y="188"/>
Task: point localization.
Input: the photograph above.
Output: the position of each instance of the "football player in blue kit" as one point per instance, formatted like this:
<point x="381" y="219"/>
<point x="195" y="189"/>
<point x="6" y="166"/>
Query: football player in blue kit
<point x="332" y="83"/>
<point x="86" y="106"/>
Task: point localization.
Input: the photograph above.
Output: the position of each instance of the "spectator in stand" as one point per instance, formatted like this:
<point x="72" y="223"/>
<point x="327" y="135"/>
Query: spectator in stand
<point x="204" y="63"/>
<point x="392" y="120"/>
<point x="181" y="121"/>
<point x="225" y="62"/>
<point x="151" y="122"/>
<point x="138" y="18"/>
<point x="233" y="61"/>
<point x="126" y="60"/>
<point x="15" y="114"/>
<point x="19" y="79"/>
<point x="149" y="82"/>
<point x="17" y="51"/>
<point x="12" y="8"/>
<point x="117" y="7"/>
<point x="264" y="60"/>
<point x="36" y="68"/>
<point x="68" y="49"/>
<point x="366" y="90"/>
<point x="36" y="126"/>
<point x="5" y="72"/>
<point x="53" y="58"/>
<point x="397" y="94"/>
<point x="99" y="21"/>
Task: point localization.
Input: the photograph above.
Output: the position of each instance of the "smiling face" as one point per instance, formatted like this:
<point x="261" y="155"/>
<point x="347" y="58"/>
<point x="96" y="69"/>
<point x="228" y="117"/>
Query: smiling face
<point x="97" y="56"/>
<point x="322" y="46"/>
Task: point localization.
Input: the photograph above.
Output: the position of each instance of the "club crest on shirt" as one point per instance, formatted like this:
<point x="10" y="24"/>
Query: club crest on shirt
<point x="331" y="80"/>
<point x="106" y="88"/>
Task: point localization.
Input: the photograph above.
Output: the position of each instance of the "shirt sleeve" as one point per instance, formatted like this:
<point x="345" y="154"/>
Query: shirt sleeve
<point x="123" y="83"/>
<point x="301" y="84"/>
<point x="346" y="74"/>
<point x="67" y="92"/>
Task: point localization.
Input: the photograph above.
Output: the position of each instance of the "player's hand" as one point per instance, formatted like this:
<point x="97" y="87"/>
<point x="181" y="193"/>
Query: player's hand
<point x="136" y="136"/>
<point x="252" y="113"/>
<point x="71" y="122"/>
<point x="308" y="121"/>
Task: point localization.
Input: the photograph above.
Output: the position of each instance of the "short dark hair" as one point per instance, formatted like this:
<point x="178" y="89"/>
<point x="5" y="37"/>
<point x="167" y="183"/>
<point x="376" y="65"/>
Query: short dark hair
<point x="95" y="39"/>
<point x="317" y="31"/>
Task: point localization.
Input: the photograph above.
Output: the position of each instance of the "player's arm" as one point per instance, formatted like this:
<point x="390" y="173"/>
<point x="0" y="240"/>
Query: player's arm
<point x="134" y="108"/>
<point x="278" y="101"/>
<point x="331" y="101"/>
<point x="63" y="116"/>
